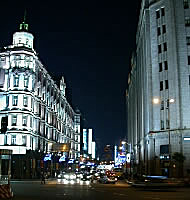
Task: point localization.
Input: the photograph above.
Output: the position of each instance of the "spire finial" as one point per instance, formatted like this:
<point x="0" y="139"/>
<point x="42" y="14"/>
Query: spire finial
<point x="23" y="25"/>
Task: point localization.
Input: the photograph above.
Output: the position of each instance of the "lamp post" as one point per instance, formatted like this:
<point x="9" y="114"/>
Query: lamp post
<point x="169" y="101"/>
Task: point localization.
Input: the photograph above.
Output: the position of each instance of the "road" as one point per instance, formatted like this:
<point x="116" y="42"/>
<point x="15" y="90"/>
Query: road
<point x="54" y="190"/>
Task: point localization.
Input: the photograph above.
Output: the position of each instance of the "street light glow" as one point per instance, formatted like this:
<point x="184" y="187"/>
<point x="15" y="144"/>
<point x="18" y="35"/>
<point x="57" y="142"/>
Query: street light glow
<point x="171" y="100"/>
<point x="156" y="101"/>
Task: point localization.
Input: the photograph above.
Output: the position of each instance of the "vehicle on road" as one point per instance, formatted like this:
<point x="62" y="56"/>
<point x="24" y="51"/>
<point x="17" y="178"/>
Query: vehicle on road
<point x="155" y="182"/>
<point x="107" y="179"/>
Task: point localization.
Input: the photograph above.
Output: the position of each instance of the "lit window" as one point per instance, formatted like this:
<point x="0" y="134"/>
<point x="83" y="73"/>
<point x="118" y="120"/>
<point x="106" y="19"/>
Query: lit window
<point x="15" y="100"/>
<point x="26" y="81"/>
<point x="14" y="120"/>
<point x="16" y="81"/>
<point x="24" y="120"/>
<point x="25" y="101"/>
<point x="13" y="139"/>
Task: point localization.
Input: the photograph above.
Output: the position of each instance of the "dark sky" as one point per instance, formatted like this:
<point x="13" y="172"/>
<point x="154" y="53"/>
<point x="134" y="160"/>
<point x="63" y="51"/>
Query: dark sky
<point x="90" y="43"/>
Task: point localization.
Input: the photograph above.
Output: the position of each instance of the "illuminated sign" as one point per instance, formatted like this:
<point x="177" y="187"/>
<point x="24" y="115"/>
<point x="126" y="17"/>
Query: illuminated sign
<point x="62" y="158"/>
<point x="71" y="161"/>
<point x="47" y="157"/>
<point x="85" y="139"/>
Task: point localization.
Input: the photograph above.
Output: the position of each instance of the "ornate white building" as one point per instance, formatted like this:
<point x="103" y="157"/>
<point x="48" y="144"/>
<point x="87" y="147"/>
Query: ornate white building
<point x="34" y="111"/>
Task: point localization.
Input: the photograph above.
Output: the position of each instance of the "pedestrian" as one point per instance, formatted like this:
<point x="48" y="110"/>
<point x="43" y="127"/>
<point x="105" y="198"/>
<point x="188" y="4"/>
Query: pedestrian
<point x="43" y="179"/>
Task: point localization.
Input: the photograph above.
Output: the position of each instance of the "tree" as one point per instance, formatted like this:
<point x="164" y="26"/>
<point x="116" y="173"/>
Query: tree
<point x="179" y="158"/>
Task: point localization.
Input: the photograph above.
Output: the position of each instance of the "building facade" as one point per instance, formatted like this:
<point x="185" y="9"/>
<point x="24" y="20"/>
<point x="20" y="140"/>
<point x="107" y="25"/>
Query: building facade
<point x="34" y="111"/>
<point x="158" y="93"/>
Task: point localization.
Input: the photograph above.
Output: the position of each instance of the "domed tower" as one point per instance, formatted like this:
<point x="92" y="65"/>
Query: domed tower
<point x="23" y="37"/>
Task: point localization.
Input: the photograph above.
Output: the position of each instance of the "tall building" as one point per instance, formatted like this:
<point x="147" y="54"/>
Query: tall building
<point x="158" y="93"/>
<point x="34" y="111"/>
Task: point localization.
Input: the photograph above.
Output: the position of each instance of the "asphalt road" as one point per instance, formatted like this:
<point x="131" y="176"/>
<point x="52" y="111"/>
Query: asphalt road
<point x="55" y="190"/>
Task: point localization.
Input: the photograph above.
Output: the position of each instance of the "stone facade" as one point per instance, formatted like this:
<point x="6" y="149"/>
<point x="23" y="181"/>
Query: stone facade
<point x="159" y="87"/>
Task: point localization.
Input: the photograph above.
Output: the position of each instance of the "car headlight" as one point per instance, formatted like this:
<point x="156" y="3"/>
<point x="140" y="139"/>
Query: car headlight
<point x="66" y="176"/>
<point x="72" y="176"/>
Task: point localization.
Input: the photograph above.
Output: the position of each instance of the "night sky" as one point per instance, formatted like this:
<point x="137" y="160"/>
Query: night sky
<point x="90" y="43"/>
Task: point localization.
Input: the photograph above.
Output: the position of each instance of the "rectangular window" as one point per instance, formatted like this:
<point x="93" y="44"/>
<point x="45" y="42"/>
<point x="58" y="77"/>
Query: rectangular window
<point x="162" y="105"/>
<point x="187" y="21"/>
<point x="24" y="140"/>
<point x="26" y="81"/>
<point x="13" y="139"/>
<point x="15" y="100"/>
<point x="165" y="65"/>
<point x="167" y="123"/>
<point x="160" y="67"/>
<point x="167" y="103"/>
<point x="165" y="46"/>
<point x="162" y="124"/>
<point x="166" y="84"/>
<point x="157" y="14"/>
<point x="163" y="11"/>
<point x="14" y="120"/>
<point x="24" y="120"/>
<point x="161" y="85"/>
<point x="185" y="4"/>
<point x="16" y="81"/>
<point x="188" y="40"/>
<point x="188" y="60"/>
<point x="25" y="101"/>
<point x="163" y="28"/>
<point x="159" y="48"/>
<point x="5" y="139"/>
<point x="158" y="31"/>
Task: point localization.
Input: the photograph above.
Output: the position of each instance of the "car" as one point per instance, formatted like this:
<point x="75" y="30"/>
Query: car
<point x="69" y="176"/>
<point x="155" y="183"/>
<point x="107" y="179"/>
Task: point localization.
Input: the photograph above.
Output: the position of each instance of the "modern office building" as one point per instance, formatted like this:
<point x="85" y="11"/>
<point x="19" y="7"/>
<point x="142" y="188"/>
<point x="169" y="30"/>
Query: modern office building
<point x="34" y="112"/>
<point x="158" y="93"/>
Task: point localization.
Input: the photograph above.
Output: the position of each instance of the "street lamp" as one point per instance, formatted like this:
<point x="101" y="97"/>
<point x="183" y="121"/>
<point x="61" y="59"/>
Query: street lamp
<point x="169" y="101"/>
